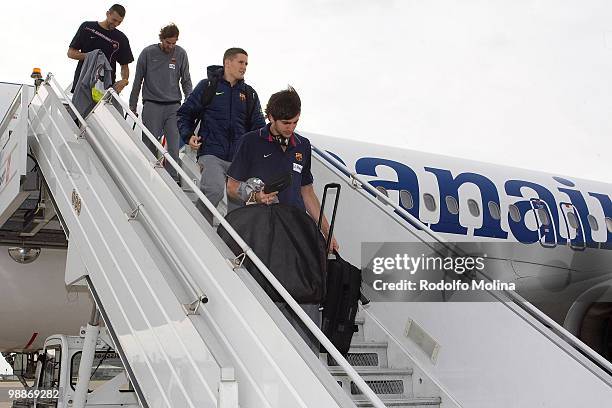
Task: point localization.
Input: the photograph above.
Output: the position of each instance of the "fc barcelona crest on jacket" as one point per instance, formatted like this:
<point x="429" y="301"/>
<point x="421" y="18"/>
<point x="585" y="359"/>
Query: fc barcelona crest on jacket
<point x="298" y="156"/>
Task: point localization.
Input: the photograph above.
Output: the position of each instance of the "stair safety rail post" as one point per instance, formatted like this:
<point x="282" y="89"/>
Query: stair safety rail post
<point x="511" y="296"/>
<point x="87" y="357"/>
<point x="351" y="372"/>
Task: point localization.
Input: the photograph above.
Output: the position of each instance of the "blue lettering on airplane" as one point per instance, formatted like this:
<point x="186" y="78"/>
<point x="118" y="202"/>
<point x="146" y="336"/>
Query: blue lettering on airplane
<point x="406" y="178"/>
<point x="449" y="186"/>
<point x="535" y="197"/>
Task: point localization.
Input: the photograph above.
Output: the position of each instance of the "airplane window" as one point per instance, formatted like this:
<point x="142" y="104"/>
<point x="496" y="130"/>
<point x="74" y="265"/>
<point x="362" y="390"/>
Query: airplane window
<point x="382" y="190"/>
<point x="609" y="224"/>
<point x="430" y="202"/>
<point x="406" y="199"/>
<point x="543" y="216"/>
<point x="494" y="210"/>
<point x="572" y="220"/>
<point x="473" y="207"/>
<point x="593" y="222"/>
<point x="515" y="214"/>
<point x="452" y="205"/>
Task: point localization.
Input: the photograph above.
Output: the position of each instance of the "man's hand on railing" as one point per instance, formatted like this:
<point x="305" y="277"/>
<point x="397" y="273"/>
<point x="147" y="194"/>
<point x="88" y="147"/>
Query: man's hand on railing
<point x="194" y="142"/>
<point x="134" y="110"/>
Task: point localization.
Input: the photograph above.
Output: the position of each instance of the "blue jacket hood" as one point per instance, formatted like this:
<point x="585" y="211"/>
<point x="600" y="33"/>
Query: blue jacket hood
<point x="214" y="71"/>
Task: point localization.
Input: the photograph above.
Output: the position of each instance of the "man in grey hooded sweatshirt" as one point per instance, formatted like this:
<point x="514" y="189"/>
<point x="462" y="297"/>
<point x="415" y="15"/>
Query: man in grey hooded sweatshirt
<point x="161" y="66"/>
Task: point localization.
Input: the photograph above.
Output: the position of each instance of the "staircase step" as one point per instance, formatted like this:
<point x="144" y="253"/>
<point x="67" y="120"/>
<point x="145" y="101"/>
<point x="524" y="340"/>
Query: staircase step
<point x="392" y="382"/>
<point x="372" y="371"/>
<point x="365" y="354"/>
<point x="410" y="402"/>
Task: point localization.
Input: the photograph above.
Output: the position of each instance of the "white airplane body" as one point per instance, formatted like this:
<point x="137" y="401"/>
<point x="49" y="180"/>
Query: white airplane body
<point x="549" y="235"/>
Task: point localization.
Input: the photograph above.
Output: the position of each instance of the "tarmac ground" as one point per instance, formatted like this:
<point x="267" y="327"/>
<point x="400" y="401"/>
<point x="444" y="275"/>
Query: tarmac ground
<point x="5" y="386"/>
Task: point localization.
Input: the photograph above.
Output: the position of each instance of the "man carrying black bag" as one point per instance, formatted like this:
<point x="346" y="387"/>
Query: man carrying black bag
<point x="288" y="242"/>
<point x="341" y="303"/>
<point x="343" y="290"/>
<point x="270" y="154"/>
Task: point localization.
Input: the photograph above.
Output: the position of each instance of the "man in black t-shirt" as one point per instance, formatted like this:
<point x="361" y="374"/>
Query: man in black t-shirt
<point x="94" y="35"/>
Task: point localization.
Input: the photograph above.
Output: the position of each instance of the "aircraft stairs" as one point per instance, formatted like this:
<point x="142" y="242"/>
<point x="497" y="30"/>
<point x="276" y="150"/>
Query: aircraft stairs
<point x="370" y="358"/>
<point x="194" y="329"/>
<point x="186" y="339"/>
<point x="393" y="384"/>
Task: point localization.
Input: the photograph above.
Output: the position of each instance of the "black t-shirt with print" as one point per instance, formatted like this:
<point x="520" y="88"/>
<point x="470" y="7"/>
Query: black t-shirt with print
<point x="113" y="43"/>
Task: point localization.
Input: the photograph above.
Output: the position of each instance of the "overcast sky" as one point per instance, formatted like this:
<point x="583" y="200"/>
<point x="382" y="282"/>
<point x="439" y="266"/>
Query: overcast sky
<point x="523" y="83"/>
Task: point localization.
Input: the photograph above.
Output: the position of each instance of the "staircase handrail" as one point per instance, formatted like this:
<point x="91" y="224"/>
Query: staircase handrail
<point x="331" y="349"/>
<point x="512" y="296"/>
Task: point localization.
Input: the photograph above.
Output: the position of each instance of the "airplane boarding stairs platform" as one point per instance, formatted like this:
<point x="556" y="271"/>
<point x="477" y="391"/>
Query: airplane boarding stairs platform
<point x="192" y="328"/>
<point x="150" y="261"/>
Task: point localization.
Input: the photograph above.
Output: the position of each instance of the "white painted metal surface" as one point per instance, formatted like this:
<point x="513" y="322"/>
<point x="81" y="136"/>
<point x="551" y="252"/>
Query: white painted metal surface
<point x="120" y="207"/>
<point x="491" y="353"/>
<point x="8" y="91"/>
<point x="13" y="152"/>
<point x="150" y="322"/>
<point x="490" y="358"/>
<point x="429" y="237"/>
<point x="312" y="327"/>
<point x="85" y="366"/>
<point x="164" y="350"/>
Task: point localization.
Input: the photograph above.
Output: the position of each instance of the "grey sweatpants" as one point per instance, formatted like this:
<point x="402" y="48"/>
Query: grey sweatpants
<point x="212" y="183"/>
<point x="160" y="119"/>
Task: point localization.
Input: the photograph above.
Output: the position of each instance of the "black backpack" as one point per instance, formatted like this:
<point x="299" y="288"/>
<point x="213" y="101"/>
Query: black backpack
<point x="211" y="89"/>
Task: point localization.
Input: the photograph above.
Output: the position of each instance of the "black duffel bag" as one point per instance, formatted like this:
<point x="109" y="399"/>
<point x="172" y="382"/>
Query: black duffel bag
<point x="288" y="242"/>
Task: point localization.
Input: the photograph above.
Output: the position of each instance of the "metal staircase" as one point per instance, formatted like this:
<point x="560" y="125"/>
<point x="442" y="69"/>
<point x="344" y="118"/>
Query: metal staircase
<point x="370" y="358"/>
<point x="181" y="321"/>
<point x="151" y="261"/>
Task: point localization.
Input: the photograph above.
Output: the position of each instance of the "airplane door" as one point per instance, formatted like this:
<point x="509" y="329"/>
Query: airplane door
<point x="546" y="227"/>
<point x="573" y="226"/>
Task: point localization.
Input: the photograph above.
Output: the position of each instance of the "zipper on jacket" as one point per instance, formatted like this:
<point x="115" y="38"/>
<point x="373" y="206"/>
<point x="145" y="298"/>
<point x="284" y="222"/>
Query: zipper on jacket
<point x="231" y="127"/>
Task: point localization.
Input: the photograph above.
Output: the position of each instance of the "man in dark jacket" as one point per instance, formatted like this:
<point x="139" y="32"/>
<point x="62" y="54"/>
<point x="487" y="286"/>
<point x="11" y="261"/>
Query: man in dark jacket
<point x="224" y="116"/>
<point x="276" y="150"/>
